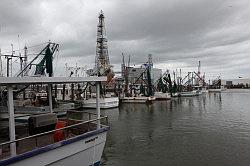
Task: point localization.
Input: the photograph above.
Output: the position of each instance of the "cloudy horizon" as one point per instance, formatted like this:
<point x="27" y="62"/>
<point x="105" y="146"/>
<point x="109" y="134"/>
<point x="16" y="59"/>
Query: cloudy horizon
<point x="178" y="34"/>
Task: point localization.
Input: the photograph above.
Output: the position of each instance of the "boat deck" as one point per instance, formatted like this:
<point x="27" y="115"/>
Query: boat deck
<point x="73" y="128"/>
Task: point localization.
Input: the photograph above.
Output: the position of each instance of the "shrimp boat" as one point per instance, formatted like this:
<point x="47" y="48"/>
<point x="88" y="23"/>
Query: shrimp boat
<point x="187" y="94"/>
<point x="214" y="90"/>
<point x="190" y="93"/>
<point x="217" y="90"/>
<point x="162" y="96"/>
<point x="52" y="141"/>
<point x="139" y="99"/>
<point x="105" y="102"/>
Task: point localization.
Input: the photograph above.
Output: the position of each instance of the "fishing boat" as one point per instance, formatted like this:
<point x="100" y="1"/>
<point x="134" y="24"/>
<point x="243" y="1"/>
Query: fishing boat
<point x="139" y="99"/>
<point x="53" y="141"/>
<point x="218" y="90"/>
<point x="204" y="90"/>
<point x="176" y="94"/>
<point x="214" y="90"/>
<point x="145" y="95"/>
<point x="105" y="102"/>
<point x="25" y="107"/>
<point x="189" y="93"/>
<point x="162" y="96"/>
<point x="200" y="89"/>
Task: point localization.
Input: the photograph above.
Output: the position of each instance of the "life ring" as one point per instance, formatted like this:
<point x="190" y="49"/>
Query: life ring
<point x="59" y="134"/>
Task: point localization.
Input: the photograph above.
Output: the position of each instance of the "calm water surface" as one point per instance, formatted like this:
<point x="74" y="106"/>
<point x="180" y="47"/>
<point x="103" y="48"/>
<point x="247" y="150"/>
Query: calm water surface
<point x="207" y="130"/>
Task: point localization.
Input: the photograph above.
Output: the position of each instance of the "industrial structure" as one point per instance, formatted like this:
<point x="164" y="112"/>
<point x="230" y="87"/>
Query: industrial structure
<point x="236" y="83"/>
<point x="138" y="78"/>
<point x="102" y="63"/>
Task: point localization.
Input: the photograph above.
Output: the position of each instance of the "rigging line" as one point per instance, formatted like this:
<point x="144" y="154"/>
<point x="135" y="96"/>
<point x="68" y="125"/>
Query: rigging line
<point x="6" y="52"/>
<point x="38" y="45"/>
<point x="32" y="53"/>
<point x="17" y="50"/>
<point x="56" y="57"/>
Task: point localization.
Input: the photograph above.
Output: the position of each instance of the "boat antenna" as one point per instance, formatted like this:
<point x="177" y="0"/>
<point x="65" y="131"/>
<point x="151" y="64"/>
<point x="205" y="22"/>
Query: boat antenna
<point x="123" y="66"/>
<point x="25" y="59"/>
<point x="12" y="52"/>
<point x="129" y="60"/>
<point x="19" y="53"/>
<point x="1" y="65"/>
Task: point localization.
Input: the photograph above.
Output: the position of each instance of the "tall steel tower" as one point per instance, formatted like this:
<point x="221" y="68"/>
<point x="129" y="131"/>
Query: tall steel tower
<point x="102" y="56"/>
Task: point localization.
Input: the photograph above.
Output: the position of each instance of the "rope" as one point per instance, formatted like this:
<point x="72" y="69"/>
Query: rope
<point x="17" y="50"/>
<point x="56" y="58"/>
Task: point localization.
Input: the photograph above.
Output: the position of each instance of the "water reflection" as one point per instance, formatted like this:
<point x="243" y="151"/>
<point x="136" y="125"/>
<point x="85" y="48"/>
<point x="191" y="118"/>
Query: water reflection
<point x="207" y="130"/>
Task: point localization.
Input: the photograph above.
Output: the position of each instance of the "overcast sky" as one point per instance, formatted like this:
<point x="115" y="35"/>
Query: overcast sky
<point x="178" y="33"/>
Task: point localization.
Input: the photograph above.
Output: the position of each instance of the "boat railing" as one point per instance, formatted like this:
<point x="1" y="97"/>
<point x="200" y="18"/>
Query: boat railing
<point x="73" y="127"/>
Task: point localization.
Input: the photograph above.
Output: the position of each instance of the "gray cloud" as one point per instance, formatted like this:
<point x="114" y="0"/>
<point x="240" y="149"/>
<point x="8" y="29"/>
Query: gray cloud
<point x="178" y="33"/>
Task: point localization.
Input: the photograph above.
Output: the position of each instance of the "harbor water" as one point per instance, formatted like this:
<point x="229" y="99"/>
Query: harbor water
<point x="211" y="129"/>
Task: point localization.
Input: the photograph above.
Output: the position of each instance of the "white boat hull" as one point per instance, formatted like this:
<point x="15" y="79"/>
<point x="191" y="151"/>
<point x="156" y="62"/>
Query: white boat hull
<point x="176" y="95"/>
<point x="204" y="91"/>
<point x="137" y="99"/>
<point x="214" y="90"/>
<point x="187" y="94"/>
<point x="162" y="96"/>
<point x="105" y="103"/>
<point x="84" y="152"/>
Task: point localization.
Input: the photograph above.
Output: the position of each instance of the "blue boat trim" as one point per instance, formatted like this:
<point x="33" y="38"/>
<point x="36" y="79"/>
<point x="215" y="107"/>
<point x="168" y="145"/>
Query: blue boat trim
<point x="96" y="164"/>
<point x="51" y="147"/>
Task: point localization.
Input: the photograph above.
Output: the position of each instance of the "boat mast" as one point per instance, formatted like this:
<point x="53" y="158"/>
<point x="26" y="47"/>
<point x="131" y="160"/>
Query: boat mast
<point x="25" y="60"/>
<point x="9" y="57"/>
<point x="19" y="53"/>
<point x="149" y="75"/>
<point x="199" y="68"/>
<point x="199" y="74"/>
<point x="123" y="66"/>
<point x="1" y="65"/>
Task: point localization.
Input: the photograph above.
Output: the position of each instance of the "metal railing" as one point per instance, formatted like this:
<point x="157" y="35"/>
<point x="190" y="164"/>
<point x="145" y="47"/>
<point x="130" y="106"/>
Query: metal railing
<point x="74" y="127"/>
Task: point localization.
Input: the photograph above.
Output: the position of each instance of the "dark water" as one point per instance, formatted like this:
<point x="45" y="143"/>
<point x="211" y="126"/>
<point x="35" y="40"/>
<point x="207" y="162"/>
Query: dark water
<point x="209" y="130"/>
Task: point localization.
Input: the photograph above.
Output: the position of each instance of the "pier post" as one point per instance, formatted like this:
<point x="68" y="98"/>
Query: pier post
<point x="12" y="132"/>
<point x="63" y="95"/>
<point x="98" y="110"/>
<point x="50" y="98"/>
<point x="72" y="92"/>
<point x="55" y="90"/>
